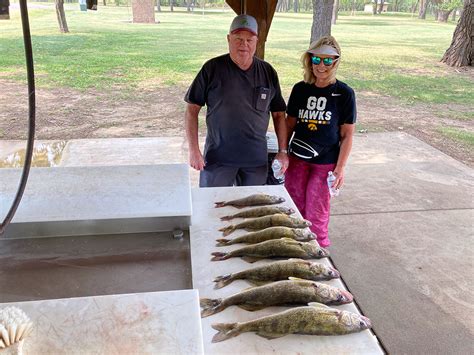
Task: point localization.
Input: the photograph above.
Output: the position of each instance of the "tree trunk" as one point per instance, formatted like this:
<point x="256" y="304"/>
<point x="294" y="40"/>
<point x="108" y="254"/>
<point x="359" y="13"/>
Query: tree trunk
<point x="322" y="11"/>
<point x="296" y="6"/>
<point x="158" y="5"/>
<point x="104" y="2"/>
<point x="335" y="10"/>
<point x="61" y="16"/>
<point x="423" y="7"/>
<point x="171" y="5"/>
<point x="415" y="5"/>
<point x="381" y="6"/>
<point x="461" y="51"/>
<point x="353" y="10"/>
<point x="443" y="15"/>
<point x="374" y="8"/>
<point x="454" y="15"/>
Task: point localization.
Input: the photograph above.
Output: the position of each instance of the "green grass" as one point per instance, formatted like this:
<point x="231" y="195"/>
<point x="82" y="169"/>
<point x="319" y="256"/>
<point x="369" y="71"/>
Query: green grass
<point x="458" y="135"/>
<point x="393" y="55"/>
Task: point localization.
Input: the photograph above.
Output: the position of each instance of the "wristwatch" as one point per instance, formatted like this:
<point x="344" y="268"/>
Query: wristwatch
<point x="283" y="151"/>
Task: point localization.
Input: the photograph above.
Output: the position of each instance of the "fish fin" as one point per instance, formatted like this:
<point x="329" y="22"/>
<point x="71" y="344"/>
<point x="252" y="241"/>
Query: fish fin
<point x="251" y="307"/>
<point x="226" y="218"/>
<point x="269" y="336"/>
<point x="227" y="230"/>
<point x="250" y="259"/>
<point x="222" y="242"/>
<point x="318" y="305"/>
<point x="210" y="306"/>
<point x="220" y="204"/>
<point x="217" y="256"/>
<point x="223" y="280"/>
<point x="292" y="278"/>
<point x="225" y="331"/>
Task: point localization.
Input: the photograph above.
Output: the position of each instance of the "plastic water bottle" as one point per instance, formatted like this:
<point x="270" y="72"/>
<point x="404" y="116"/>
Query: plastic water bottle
<point x="332" y="190"/>
<point x="276" y="167"/>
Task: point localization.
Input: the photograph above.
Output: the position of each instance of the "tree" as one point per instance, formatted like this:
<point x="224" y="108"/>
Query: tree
<point x="445" y="7"/>
<point x="423" y="7"/>
<point x="461" y="51"/>
<point x="382" y="2"/>
<point x="322" y="14"/>
<point x="335" y="10"/>
<point x="61" y="15"/>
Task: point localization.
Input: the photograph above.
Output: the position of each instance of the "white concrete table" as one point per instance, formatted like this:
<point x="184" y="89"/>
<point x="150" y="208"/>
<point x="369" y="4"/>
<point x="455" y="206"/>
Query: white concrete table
<point x="204" y="232"/>
<point x="65" y="201"/>
<point x="141" y="323"/>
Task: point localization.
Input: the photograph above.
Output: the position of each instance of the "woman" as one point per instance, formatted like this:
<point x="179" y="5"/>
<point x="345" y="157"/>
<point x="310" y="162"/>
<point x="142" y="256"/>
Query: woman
<point x="321" y="116"/>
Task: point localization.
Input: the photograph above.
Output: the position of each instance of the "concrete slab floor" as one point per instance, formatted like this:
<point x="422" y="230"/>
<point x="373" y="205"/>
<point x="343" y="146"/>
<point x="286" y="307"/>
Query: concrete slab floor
<point x="402" y="232"/>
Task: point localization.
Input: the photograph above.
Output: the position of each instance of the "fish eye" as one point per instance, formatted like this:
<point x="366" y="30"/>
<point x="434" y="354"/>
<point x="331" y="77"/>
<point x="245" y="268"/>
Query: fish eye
<point x="340" y="298"/>
<point x="362" y="324"/>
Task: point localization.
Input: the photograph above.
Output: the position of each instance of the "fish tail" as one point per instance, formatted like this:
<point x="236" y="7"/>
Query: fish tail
<point x="225" y="331"/>
<point x="223" y="280"/>
<point x="219" y="204"/>
<point x="227" y="230"/>
<point x="217" y="256"/>
<point x="222" y="242"/>
<point x="226" y="218"/>
<point x="210" y="306"/>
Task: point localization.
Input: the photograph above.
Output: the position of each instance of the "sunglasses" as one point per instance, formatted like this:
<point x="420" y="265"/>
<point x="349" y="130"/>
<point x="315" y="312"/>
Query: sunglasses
<point x="326" y="61"/>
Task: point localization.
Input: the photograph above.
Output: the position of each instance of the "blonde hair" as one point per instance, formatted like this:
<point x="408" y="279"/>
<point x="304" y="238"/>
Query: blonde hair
<point x="308" y="75"/>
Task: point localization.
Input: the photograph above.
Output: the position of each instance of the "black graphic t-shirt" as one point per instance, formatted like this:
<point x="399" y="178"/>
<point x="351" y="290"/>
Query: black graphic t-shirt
<point x="319" y="113"/>
<point x="238" y="103"/>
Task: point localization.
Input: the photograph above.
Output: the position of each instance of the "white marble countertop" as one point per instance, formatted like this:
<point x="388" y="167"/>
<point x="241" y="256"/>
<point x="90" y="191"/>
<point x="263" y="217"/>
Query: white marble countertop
<point x="141" y="323"/>
<point x="204" y="232"/>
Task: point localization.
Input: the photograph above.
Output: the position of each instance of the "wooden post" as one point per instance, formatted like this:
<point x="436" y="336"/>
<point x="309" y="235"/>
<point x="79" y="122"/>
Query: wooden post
<point x="263" y="12"/>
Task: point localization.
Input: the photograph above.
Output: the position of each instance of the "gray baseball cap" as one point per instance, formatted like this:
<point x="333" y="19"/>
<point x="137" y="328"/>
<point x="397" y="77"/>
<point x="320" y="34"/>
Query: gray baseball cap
<point x="244" y="23"/>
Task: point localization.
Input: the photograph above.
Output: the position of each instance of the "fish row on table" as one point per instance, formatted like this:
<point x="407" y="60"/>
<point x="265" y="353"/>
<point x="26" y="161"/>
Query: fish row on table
<point x="281" y="283"/>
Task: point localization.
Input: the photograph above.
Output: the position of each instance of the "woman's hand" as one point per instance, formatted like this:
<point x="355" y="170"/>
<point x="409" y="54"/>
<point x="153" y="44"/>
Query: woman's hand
<point x="339" y="174"/>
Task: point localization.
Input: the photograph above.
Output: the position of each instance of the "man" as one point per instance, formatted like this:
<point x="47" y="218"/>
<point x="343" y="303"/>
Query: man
<point x="240" y="91"/>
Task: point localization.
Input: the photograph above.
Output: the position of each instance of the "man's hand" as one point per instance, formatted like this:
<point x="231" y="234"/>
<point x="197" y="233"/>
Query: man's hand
<point x="196" y="159"/>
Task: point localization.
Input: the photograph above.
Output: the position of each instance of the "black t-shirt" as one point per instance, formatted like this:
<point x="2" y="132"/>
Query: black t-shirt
<point x="238" y="109"/>
<point x="319" y="113"/>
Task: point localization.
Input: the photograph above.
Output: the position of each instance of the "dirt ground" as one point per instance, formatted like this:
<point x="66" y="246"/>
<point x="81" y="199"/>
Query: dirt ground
<point x="150" y="112"/>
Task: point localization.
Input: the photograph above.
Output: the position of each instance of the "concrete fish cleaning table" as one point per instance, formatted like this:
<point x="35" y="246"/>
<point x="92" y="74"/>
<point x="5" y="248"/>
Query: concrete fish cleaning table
<point x="204" y="232"/>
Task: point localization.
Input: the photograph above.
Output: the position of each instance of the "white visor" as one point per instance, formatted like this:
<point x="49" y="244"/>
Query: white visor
<point x="324" y="50"/>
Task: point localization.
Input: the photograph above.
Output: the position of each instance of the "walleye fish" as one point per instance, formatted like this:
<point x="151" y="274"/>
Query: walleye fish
<point x="315" y="319"/>
<point x="280" y="270"/>
<point x="275" y="248"/>
<point x="279" y="293"/>
<point x="270" y="233"/>
<point x="260" y="212"/>
<point x="252" y="200"/>
<point x="278" y="219"/>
